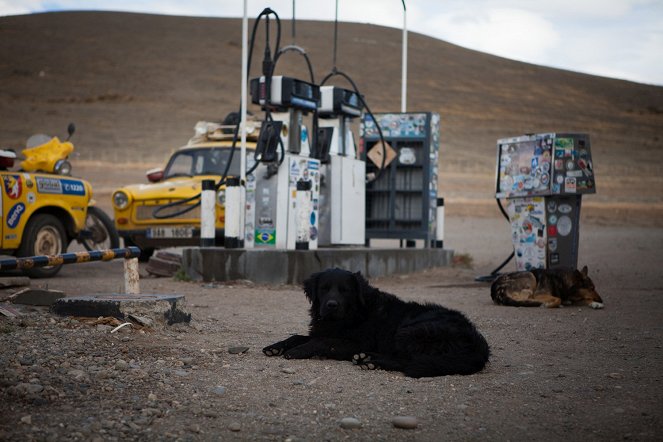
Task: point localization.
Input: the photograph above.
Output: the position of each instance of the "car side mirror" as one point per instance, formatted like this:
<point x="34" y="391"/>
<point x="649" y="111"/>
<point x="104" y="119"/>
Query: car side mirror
<point x="155" y="175"/>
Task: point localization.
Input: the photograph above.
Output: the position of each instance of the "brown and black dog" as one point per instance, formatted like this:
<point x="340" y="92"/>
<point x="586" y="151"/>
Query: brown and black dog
<point x="546" y="288"/>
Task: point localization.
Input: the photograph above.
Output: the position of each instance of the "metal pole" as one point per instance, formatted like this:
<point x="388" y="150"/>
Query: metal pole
<point x="245" y="74"/>
<point x="207" y="214"/>
<point x="404" y="70"/>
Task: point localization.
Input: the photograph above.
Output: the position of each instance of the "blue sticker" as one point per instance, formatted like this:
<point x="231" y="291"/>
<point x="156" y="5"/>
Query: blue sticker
<point x="73" y="187"/>
<point x="14" y="215"/>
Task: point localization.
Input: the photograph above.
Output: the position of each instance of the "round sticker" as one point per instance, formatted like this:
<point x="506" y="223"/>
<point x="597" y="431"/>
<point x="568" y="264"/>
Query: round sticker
<point x="564" y="225"/>
<point x="545" y="179"/>
<point x="565" y="208"/>
<point x="552" y="219"/>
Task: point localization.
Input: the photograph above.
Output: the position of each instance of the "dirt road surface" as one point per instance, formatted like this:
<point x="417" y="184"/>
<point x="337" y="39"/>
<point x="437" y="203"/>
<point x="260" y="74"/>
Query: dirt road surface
<point x="555" y="374"/>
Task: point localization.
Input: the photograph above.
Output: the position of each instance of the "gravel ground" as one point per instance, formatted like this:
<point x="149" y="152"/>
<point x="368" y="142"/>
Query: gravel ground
<point x="561" y="374"/>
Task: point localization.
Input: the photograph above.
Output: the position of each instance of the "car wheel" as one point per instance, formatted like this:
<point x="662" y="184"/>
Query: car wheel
<point x="102" y="232"/>
<point x="43" y="235"/>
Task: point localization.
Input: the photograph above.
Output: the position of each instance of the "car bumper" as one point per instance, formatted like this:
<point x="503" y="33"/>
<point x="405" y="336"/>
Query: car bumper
<point x="140" y="238"/>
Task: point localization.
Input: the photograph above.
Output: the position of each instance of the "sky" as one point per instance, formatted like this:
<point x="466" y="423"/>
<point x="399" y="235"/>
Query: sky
<point x="613" y="38"/>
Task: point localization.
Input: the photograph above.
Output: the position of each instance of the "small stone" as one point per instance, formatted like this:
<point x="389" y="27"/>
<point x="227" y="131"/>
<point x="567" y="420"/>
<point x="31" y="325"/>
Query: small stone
<point x="350" y="423"/>
<point x="234" y="426"/>
<point x="237" y="350"/>
<point x="615" y="375"/>
<point x="405" y="422"/>
<point x="26" y="420"/>
<point x="219" y="390"/>
<point x="121" y="364"/>
<point x="288" y="370"/>
<point x="152" y="397"/>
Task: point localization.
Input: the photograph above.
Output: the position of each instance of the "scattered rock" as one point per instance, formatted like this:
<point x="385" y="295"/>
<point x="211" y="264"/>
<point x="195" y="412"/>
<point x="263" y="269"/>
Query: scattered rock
<point x="121" y="364"/>
<point x="237" y="350"/>
<point x="350" y="423"/>
<point x="615" y="376"/>
<point x="405" y="422"/>
<point x="234" y="426"/>
<point x="288" y="370"/>
<point x="219" y="390"/>
<point x="26" y="420"/>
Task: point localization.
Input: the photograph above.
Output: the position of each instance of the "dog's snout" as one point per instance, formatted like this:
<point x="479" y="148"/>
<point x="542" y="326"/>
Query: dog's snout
<point x="332" y="304"/>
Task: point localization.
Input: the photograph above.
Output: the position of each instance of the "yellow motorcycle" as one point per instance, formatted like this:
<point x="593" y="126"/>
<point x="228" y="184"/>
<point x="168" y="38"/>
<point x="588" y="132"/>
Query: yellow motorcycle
<point x="44" y="209"/>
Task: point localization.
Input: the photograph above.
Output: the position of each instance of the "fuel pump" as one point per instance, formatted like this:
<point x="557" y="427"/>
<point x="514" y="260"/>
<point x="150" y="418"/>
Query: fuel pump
<point x="278" y="217"/>
<point x="342" y="193"/>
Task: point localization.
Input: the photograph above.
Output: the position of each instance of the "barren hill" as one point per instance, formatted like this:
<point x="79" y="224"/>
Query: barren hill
<point x="136" y="84"/>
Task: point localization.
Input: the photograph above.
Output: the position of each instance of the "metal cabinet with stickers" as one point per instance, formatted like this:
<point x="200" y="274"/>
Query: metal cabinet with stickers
<point x="401" y="203"/>
<point x="543" y="178"/>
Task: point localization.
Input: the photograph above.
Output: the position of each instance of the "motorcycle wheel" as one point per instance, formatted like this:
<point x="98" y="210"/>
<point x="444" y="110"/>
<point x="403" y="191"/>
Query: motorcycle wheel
<point x="104" y="234"/>
<point x="43" y="235"/>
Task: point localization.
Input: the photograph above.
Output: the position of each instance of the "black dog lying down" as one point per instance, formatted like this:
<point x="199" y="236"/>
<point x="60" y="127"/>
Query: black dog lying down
<point x="352" y="321"/>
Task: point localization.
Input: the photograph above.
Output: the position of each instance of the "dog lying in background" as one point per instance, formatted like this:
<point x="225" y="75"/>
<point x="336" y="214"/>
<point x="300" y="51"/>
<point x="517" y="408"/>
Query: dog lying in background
<point x="546" y="288"/>
<point x="352" y="321"/>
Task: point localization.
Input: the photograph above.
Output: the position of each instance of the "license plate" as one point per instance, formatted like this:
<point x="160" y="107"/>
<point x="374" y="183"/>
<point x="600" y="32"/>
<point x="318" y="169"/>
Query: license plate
<point x="170" y="232"/>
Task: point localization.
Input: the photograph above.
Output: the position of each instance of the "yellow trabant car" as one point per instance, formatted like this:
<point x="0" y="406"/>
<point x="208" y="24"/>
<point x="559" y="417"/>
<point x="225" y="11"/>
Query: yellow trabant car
<point x="166" y="212"/>
<point x="41" y="213"/>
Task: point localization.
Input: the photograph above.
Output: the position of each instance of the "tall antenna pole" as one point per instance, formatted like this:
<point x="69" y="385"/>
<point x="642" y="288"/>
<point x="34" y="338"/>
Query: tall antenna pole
<point x="245" y="33"/>
<point x="404" y="69"/>
<point x="293" y="22"/>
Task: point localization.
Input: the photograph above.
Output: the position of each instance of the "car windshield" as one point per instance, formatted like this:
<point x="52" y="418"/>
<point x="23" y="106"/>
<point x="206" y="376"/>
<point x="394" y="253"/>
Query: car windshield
<point x="207" y="161"/>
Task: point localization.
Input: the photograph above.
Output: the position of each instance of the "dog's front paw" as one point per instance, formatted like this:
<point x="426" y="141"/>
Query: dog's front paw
<point x="596" y="305"/>
<point x="273" y="350"/>
<point x="363" y="360"/>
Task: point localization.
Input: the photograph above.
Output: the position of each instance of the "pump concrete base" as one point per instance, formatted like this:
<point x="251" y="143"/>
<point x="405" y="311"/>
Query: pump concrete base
<point x="161" y="309"/>
<point x="294" y="266"/>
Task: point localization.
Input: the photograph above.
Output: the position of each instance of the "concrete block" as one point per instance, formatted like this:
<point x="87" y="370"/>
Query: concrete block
<point x="270" y="266"/>
<point x="162" y="309"/>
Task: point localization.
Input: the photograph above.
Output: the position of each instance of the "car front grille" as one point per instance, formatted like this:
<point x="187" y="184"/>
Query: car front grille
<point x="146" y="212"/>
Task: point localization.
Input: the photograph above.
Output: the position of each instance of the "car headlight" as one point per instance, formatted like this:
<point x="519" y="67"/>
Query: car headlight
<point x="120" y="200"/>
<point x="62" y="167"/>
<point x="221" y="197"/>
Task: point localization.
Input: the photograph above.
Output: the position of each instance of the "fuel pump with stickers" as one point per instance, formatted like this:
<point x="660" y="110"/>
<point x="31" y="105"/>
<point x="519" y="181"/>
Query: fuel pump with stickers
<point x="543" y="178"/>
<point x="275" y="218"/>
<point x="343" y="189"/>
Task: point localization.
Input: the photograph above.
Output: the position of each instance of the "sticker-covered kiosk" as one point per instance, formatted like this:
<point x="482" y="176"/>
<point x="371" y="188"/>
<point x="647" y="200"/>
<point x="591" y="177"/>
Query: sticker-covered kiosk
<point x="543" y="178"/>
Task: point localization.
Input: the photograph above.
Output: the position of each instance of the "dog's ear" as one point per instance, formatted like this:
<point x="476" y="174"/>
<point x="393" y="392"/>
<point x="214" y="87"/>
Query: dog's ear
<point x="311" y="287"/>
<point x="584" y="271"/>
<point x="362" y="287"/>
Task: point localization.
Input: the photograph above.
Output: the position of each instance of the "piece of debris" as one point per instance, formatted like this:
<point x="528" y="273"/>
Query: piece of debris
<point x="14" y="281"/>
<point x="164" y="264"/>
<point x="34" y="296"/>
<point x="8" y="311"/>
<point x="141" y="320"/>
<point x="120" y="326"/>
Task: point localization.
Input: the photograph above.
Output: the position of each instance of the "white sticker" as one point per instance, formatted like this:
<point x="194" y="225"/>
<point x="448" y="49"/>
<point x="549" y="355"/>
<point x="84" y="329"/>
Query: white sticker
<point x="564" y="225"/>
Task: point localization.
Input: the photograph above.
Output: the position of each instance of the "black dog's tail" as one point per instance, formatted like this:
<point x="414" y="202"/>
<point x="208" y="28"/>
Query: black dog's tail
<point x="449" y="345"/>
<point x="468" y="360"/>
